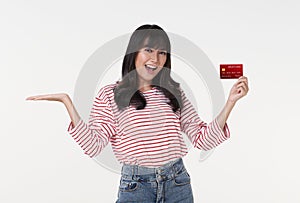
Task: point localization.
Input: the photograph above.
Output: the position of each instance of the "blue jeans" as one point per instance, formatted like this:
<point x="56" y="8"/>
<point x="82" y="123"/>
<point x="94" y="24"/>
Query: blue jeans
<point x="169" y="183"/>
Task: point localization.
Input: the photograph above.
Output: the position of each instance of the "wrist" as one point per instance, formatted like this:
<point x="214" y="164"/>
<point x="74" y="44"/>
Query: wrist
<point x="66" y="100"/>
<point x="230" y="102"/>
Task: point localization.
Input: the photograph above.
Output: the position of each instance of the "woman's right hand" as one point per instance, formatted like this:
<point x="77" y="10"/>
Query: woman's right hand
<point x="61" y="97"/>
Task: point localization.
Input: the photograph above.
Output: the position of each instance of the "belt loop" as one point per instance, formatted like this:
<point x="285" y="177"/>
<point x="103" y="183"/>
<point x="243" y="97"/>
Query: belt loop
<point x="173" y="170"/>
<point x="174" y="167"/>
<point x="134" y="172"/>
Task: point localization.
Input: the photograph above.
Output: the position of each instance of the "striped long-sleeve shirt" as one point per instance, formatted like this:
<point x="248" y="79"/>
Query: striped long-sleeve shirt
<point x="147" y="137"/>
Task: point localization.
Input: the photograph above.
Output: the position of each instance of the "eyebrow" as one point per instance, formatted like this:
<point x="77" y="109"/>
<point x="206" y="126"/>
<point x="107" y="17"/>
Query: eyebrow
<point x="160" y="49"/>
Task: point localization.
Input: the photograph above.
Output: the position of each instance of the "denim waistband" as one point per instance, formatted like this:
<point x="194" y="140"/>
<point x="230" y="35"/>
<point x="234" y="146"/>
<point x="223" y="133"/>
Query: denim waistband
<point x="166" y="171"/>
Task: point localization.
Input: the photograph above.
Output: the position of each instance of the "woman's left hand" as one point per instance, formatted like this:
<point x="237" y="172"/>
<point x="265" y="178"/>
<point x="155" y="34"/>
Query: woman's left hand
<point x="239" y="89"/>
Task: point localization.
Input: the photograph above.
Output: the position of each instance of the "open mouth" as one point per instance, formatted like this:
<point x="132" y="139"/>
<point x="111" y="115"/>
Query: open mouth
<point x="150" y="68"/>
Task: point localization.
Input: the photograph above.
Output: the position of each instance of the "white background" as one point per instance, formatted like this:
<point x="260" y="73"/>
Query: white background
<point x="44" y="44"/>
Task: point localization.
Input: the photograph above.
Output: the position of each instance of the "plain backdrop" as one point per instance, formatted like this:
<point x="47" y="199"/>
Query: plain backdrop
<point x="44" y="45"/>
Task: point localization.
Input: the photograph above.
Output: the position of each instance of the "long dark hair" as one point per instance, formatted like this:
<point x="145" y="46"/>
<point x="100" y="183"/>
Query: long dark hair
<point x="126" y="92"/>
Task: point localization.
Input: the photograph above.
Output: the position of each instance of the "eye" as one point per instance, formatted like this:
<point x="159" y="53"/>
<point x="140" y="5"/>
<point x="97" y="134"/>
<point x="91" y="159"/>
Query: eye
<point x="164" y="53"/>
<point x="148" y="50"/>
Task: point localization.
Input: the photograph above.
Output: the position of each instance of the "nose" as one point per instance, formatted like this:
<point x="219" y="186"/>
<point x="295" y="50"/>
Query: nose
<point x="154" y="56"/>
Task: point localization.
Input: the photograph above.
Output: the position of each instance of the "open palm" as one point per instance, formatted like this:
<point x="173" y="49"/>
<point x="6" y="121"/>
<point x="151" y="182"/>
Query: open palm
<point x="60" y="97"/>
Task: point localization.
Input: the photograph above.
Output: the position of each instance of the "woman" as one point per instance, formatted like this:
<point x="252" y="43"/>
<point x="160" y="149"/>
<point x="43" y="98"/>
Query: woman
<point x="142" y="116"/>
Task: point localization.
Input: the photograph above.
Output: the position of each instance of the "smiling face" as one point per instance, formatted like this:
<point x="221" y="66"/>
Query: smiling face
<point x="148" y="63"/>
<point x="147" y="53"/>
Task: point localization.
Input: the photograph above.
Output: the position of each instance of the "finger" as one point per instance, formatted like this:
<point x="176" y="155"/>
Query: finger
<point x="243" y="78"/>
<point x="29" y="98"/>
<point x="242" y="91"/>
<point x="37" y="97"/>
<point x="246" y="80"/>
<point x="32" y="98"/>
<point x="243" y="84"/>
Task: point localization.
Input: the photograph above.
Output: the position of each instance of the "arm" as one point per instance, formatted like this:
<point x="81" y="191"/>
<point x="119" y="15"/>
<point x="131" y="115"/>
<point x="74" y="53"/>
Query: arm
<point x="74" y="116"/>
<point x="94" y="136"/>
<point x="239" y="90"/>
<point x="204" y="136"/>
<point x="223" y="116"/>
<point x="207" y="136"/>
<point x="62" y="98"/>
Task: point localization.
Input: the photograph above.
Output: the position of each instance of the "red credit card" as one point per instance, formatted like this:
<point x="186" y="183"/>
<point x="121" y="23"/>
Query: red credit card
<point x="231" y="71"/>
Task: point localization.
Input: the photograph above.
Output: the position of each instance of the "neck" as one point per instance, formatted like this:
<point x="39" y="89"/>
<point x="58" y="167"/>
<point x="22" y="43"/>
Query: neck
<point x="145" y="88"/>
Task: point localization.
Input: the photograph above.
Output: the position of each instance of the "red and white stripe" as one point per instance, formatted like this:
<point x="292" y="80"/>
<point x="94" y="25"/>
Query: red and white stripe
<point x="148" y="137"/>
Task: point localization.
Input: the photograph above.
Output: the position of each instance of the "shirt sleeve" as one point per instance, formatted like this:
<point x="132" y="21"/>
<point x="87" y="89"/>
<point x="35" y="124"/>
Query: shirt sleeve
<point x="95" y="135"/>
<point x="202" y="135"/>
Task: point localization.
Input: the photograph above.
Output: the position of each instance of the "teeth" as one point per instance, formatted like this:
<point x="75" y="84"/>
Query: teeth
<point x="151" y="67"/>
